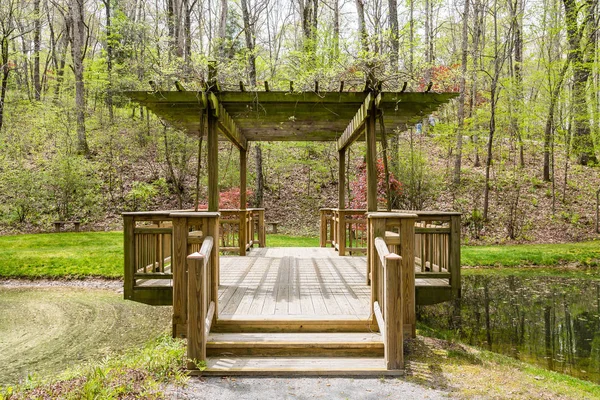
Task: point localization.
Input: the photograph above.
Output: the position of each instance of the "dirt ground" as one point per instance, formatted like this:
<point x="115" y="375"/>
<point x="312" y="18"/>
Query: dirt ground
<point x="46" y="329"/>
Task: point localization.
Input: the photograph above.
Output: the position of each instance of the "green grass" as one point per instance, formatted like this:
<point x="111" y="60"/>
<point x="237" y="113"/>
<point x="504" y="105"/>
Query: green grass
<point x="584" y="253"/>
<point x="139" y="373"/>
<point x="76" y="255"/>
<point x="54" y="255"/>
<point x="291" y="241"/>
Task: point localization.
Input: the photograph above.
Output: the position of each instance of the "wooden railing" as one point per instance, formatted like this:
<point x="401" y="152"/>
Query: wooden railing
<point x="201" y="305"/>
<point x="242" y="229"/>
<point x="148" y="246"/>
<point x="345" y="230"/>
<point x="392" y="281"/>
<point x="194" y="232"/>
<point x="437" y="240"/>
<point x="437" y="246"/>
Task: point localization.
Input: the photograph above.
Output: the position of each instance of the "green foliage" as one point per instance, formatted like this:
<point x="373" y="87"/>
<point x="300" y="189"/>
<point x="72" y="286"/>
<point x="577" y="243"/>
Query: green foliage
<point x="72" y="187"/>
<point x="420" y="185"/>
<point x="141" y="194"/>
<point x="138" y="373"/>
<point x="22" y="198"/>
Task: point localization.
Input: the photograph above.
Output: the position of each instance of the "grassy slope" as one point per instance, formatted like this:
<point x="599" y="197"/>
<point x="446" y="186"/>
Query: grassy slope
<point x="101" y="254"/>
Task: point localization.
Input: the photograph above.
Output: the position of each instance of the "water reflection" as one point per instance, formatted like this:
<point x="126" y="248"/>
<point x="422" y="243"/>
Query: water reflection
<point x="552" y="322"/>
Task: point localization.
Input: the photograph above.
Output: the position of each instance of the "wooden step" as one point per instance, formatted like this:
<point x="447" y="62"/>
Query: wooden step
<point x="296" y="366"/>
<point x="295" y="344"/>
<point x="293" y="323"/>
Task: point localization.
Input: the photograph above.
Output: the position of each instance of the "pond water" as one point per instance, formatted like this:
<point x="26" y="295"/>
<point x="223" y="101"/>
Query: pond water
<point x="548" y="321"/>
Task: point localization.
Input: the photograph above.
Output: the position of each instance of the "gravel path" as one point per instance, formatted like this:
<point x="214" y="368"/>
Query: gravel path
<point x="89" y="283"/>
<point x="302" y="388"/>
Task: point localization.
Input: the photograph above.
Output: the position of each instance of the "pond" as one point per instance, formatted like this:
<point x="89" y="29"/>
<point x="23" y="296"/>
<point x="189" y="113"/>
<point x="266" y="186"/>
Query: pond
<point x="548" y="321"/>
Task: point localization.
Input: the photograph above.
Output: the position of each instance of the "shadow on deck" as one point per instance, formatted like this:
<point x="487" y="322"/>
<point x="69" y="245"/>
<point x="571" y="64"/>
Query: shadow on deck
<point x="294" y="283"/>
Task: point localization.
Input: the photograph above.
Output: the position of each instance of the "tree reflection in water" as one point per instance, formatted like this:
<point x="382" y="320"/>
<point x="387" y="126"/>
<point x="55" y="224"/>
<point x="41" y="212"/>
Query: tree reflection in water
<point x="552" y="322"/>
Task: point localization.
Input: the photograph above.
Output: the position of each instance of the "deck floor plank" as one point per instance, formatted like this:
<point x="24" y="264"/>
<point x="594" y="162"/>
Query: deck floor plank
<point x="283" y="283"/>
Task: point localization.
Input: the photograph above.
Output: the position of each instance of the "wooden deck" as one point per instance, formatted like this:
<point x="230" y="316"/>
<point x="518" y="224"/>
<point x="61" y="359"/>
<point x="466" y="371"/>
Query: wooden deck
<point x="297" y="284"/>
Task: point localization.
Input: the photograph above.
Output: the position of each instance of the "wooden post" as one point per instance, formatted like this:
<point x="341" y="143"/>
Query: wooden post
<point x="129" y="253"/>
<point x="407" y="251"/>
<point x="243" y="179"/>
<point x="197" y="307"/>
<point x="393" y="312"/>
<point x="375" y="228"/>
<point x="213" y="164"/>
<point x="261" y="228"/>
<point x="341" y="233"/>
<point x="243" y="240"/>
<point x="371" y="140"/>
<point x="342" y="179"/>
<point x="178" y="266"/>
<point x="454" y="255"/>
<point x="243" y="232"/>
<point x="323" y="231"/>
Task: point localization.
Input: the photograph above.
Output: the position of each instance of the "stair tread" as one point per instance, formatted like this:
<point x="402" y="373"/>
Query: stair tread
<point x="297" y="365"/>
<point x="299" y="338"/>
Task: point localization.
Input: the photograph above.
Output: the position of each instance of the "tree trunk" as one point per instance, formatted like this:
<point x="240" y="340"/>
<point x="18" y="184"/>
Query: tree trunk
<point x="493" y="103"/>
<point x="223" y="25"/>
<point x="249" y="34"/>
<point x="109" y="61"/>
<point x="37" y="31"/>
<point x="5" y="73"/>
<point x="549" y="129"/>
<point x="394" y="40"/>
<point x="518" y="49"/>
<point x="78" y="52"/>
<point x="463" y="92"/>
<point x="581" y="60"/>
<point x="259" y="176"/>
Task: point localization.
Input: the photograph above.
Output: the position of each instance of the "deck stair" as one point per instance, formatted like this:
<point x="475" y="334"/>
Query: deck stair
<point x="297" y="353"/>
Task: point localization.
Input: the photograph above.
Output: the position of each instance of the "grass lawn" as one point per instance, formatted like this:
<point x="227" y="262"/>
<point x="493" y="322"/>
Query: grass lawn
<point x="76" y="255"/>
<point x="54" y="255"/>
<point x="583" y="253"/>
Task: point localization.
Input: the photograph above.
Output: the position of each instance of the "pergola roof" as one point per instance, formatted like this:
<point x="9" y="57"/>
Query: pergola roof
<point x="289" y="116"/>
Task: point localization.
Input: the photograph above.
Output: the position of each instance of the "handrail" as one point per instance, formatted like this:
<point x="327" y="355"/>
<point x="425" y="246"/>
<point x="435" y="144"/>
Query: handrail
<point x="388" y="287"/>
<point x="437" y="240"/>
<point x="201" y="306"/>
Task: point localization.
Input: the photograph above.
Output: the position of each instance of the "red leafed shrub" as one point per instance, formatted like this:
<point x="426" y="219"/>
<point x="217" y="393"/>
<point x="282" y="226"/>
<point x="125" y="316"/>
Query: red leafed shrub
<point x="444" y="78"/>
<point x="359" y="186"/>
<point x="229" y="199"/>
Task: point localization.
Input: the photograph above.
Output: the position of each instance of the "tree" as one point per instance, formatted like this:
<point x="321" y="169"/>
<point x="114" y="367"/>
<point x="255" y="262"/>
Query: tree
<point x="463" y="92"/>
<point x="78" y="41"/>
<point x="581" y="53"/>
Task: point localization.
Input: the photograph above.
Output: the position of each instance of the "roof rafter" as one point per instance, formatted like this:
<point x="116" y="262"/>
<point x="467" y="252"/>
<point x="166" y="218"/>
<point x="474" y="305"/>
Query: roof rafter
<point x="356" y="127"/>
<point x="226" y="124"/>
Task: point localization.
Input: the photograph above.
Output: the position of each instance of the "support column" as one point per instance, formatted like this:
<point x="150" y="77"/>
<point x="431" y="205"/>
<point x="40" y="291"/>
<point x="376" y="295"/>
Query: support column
<point x="213" y="164"/>
<point x="243" y="179"/>
<point x="371" y="141"/>
<point x="342" y="179"/>
<point x="243" y="232"/>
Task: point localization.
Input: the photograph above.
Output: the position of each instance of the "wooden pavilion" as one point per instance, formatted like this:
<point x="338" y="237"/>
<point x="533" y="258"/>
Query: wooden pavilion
<point x="320" y="310"/>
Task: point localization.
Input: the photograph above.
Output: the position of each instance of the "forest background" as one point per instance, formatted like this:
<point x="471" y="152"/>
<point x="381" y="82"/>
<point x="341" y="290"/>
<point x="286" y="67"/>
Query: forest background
<point x="515" y="152"/>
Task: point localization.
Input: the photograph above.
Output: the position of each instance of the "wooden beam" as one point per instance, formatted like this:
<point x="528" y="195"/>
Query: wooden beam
<point x="371" y="140"/>
<point x="230" y="129"/>
<point x="357" y="125"/>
